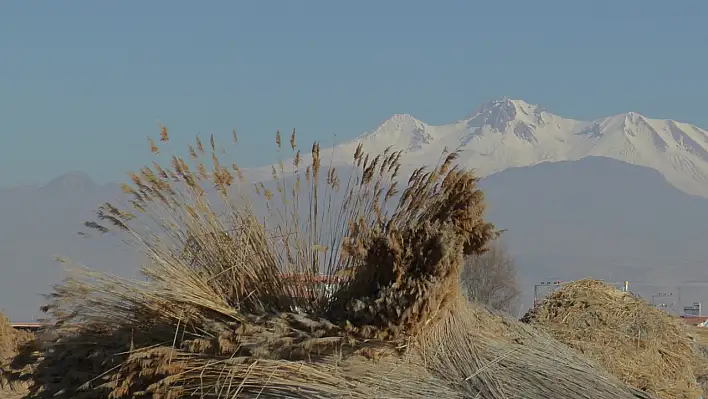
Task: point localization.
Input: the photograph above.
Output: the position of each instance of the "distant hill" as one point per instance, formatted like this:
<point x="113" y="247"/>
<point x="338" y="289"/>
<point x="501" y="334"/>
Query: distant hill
<point x="38" y="223"/>
<point x="599" y="217"/>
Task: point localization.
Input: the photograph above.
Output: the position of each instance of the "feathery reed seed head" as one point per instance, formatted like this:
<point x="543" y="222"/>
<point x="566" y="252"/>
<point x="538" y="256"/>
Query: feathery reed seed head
<point x="234" y="304"/>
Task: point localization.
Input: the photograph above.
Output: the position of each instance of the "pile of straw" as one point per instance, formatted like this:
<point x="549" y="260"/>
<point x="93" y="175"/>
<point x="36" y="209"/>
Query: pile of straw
<point x="7" y="338"/>
<point x="12" y="342"/>
<point x="699" y="339"/>
<point x="222" y="322"/>
<point x="641" y="345"/>
<point x="487" y="355"/>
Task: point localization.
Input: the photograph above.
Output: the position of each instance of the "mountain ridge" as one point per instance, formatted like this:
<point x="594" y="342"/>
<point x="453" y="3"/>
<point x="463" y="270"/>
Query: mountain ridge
<point x="507" y="133"/>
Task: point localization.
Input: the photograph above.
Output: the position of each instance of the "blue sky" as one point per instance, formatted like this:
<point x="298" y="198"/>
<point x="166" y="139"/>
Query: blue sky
<point x="82" y="83"/>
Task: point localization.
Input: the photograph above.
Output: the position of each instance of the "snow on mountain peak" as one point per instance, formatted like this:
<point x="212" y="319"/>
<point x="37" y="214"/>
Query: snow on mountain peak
<point x="507" y="116"/>
<point x="402" y="131"/>
<point x="400" y="122"/>
<point x="496" y="114"/>
<point x="507" y="133"/>
<point x="505" y="110"/>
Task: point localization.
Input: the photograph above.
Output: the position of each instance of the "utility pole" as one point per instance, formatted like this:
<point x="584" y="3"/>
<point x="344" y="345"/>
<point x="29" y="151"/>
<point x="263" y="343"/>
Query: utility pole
<point x="663" y="305"/>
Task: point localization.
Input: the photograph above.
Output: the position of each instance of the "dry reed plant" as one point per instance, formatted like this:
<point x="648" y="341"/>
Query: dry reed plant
<point x="216" y="319"/>
<point x="643" y="346"/>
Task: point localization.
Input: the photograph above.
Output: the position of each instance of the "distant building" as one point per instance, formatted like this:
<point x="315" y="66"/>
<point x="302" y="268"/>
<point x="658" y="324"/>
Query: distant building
<point x="693" y="310"/>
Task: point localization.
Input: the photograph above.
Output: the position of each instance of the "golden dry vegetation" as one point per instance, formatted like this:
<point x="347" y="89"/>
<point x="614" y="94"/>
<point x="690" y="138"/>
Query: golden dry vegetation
<point x="642" y="345"/>
<point x="215" y="318"/>
<point x="11" y="343"/>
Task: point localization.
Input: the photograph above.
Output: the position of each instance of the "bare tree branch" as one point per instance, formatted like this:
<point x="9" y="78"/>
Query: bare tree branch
<point x="490" y="278"/>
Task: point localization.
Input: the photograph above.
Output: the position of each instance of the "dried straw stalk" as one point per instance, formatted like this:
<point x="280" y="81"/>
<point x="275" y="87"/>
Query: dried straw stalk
<point x="643" y="346"/>
<point x="216" y="318"/>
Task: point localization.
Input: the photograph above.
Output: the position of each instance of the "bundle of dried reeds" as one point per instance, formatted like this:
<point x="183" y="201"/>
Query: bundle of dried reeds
<point x="642" y="345"/>
<point x="222" y="318"/>
<point x="217" y="319"/>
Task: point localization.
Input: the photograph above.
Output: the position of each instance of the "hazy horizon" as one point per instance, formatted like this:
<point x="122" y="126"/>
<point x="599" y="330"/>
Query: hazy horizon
<point x="83" y="84"/>
<point x="89" y="81"/>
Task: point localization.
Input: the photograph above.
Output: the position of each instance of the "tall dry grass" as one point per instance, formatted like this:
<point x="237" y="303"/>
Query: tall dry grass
<point x="223" y="304"/>
<point x="215" y="318"/>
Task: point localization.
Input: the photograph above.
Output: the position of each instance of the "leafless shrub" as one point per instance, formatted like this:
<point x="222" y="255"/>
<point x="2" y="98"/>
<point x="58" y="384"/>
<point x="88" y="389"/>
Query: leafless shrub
<point x="490" y="278"/>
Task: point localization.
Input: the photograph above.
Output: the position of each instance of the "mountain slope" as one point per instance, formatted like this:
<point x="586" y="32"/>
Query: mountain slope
<point x="599" y="217"/>
<point x="565" y="220"/>
<point x="507" y="133"/>
<point x="39" y="223"/>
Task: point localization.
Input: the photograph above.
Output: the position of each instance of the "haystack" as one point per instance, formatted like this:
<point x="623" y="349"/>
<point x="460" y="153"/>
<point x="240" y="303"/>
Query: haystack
<point x="11" y="340"/>
<point x="641" y="345"/>
<point x="224" y="323"/>
<point x="11" y="344"/>
<point x="488" y="355"/>
<point x="7" y="337"/>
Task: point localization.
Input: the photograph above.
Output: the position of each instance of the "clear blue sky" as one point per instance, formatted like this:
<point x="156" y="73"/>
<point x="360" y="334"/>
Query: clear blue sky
<point x="82" y="83"/>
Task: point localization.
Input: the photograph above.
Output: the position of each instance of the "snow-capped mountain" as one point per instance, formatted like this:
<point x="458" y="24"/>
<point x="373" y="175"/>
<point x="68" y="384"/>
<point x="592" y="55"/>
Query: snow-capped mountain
<point x="508" y="133"/>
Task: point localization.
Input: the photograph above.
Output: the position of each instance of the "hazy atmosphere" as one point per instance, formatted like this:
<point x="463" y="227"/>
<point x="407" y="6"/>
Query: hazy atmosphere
<point x="372" y="199"/>
<point x="84" y="84"/>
